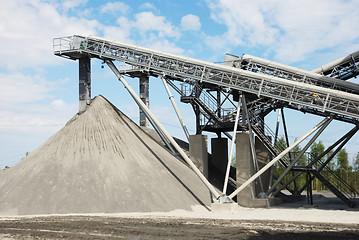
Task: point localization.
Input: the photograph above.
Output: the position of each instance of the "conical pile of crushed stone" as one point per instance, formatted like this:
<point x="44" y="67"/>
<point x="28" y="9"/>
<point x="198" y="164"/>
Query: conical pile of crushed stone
<point x="100" y="162"/>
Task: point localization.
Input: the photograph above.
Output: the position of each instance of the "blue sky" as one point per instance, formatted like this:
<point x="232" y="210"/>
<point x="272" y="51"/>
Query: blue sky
<point x="39" y="91"/>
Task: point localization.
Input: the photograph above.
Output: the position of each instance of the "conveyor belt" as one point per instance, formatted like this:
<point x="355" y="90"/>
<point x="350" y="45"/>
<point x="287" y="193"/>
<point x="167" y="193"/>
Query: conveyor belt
<point x="156" y="63"/>
<point x="343" y="68"/>
<point x="264" y="66"/>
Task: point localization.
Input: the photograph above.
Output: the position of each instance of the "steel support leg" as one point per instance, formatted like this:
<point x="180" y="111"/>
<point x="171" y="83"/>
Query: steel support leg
<point x="309" y="189"/>
<point x="292" y="163"/>
<point x="251" y="141"/>
<point x="84" y="83"/>
<point x="276" y="159"/>
<point x="231" y="149"/>
<point x="144" y="95"/>
<point x="277" y="127"/>
<point x="345" y="138"/>
<point x="159" y="125"/>
<point x="287" y="141"/>
<point x="180" y="119"/>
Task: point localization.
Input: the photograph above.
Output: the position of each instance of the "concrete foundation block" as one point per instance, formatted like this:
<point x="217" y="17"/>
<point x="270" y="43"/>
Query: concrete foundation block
<point x="259" y="202"/>
<point x="263" y="157"/>
<point x="224" y="207"/>
<point x="245" y="169"/>
<point x="198" y="152"/>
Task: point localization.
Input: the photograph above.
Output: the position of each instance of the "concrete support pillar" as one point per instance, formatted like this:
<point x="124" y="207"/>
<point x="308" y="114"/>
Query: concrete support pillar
<point x="198" y="152"/>
<point x="144" y="95"/>
<point x="263" y="157"/>
<point x="219" y="157"/>
<point x="84" y="84"/>
<point x="244" y="168"/>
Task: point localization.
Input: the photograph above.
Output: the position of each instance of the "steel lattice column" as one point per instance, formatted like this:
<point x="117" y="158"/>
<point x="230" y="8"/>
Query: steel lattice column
<point x="84" y="83"/>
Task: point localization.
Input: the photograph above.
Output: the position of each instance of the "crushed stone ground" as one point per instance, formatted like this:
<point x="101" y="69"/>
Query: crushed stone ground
<point x="103" y="227"/>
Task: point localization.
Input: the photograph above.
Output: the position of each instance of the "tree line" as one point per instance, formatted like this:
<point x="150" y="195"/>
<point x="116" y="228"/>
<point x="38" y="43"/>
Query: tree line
<point x="339" y="165"/>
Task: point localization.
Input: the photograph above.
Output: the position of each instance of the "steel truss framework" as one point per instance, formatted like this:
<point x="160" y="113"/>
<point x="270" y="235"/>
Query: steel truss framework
<point x="180" y="68"/>
<point x="263" y="87"/>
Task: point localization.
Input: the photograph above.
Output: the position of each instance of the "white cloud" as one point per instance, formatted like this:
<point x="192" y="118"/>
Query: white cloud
<point x="147" y="21"/>
<point x="245" y="21"/>
<point x="162" y="45"/>
<point x="28" y="28"/>
<point x="71" y="4"/>
<point x="32" y="106"/>
<point x="114" y="7"/>
<point x="119" y="33"/>
<point x="291" y="30"/>
<point x="148" y="6"/>
<point x="190" y="22"/>
<point x="17" y="88"/>
<point x="22" y="97"/>
<point x="154" y="32"/>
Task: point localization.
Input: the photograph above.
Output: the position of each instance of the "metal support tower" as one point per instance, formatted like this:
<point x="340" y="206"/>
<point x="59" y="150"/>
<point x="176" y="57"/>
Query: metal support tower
<point x="84" y="83"/>
<point x="144" y="95"/>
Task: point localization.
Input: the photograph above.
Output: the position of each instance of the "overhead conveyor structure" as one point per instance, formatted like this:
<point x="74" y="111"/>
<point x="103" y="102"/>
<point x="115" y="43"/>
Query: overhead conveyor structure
<point x="264" y="66"/>
<point x="180" y="68"/>
<point x="270" y="68"/>
<point x="343" y="68"/>
<point x="259" y="86"/>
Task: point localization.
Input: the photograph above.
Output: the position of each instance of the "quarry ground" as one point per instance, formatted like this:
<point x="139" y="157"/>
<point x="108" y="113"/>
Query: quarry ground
<point x="104" y="227"/>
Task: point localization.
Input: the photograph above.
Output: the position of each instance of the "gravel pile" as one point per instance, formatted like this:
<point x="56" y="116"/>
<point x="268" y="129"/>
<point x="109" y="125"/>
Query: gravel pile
<point x="100" y="162"/>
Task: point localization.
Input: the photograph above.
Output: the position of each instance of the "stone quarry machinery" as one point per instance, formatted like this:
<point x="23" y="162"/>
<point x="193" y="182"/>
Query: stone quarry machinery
<point x="235" y="96"/>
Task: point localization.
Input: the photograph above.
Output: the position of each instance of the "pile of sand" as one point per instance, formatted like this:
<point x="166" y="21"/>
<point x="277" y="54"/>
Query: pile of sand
<point x="100" y="162"/>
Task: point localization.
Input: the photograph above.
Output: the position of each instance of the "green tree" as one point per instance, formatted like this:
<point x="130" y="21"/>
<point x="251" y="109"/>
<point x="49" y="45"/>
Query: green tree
<point x="316" y="150"/>
<point x="356" y="163"/>
<point x="332" y="163"/>
<point x="342" y="160"/>
<point x="356" y="172"/>
<point x="278" y="167"/>
<point x="343" y="163"/>
<point x="302" y="161"/>
<point x="281" y="144"/>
